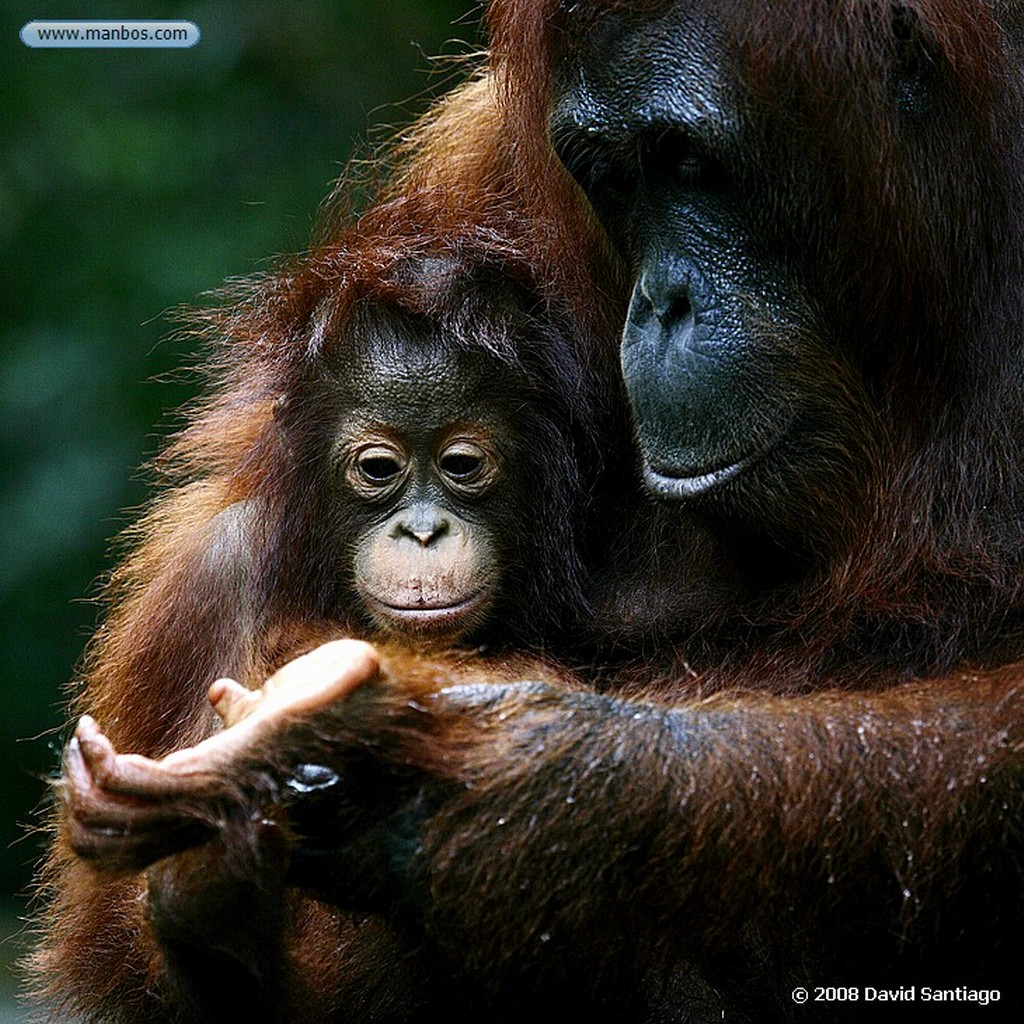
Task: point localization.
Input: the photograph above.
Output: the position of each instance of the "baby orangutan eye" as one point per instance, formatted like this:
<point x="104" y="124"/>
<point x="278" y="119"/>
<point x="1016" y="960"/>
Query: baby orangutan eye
<point x="376" y="467"/>
<point x="466" y="466"/>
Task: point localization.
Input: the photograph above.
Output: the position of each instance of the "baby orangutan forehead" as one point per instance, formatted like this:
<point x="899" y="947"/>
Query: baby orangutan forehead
<point x="417" y="379"/>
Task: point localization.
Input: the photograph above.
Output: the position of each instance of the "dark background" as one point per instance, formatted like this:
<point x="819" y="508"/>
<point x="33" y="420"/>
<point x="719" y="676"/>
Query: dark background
<point x="131" y="181"/>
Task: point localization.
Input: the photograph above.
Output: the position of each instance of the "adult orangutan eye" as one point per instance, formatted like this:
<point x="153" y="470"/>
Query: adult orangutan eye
<point x="675" y="155"/>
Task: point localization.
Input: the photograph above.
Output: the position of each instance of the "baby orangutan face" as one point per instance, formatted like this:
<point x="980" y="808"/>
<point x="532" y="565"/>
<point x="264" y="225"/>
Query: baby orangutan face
<point x="419" y="460"/>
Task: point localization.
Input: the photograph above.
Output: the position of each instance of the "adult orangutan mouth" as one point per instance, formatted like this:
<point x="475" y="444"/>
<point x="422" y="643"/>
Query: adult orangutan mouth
<point x="680" y="488"/>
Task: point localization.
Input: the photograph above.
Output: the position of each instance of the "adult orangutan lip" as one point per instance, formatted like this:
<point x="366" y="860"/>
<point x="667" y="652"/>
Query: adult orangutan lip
<point x="679" y="488"/>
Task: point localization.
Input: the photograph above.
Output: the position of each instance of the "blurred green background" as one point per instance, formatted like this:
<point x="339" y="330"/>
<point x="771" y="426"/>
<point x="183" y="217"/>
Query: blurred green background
<point x="130" y="182"/>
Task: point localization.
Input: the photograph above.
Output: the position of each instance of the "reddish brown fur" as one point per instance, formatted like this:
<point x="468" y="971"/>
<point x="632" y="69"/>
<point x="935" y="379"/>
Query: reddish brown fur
<point x="849" y="791"/>
<point x="186" y="604"/>
<point x="938" y="443"/>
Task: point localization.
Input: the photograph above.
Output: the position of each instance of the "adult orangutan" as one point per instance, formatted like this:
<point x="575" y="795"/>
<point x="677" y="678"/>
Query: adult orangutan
<point x="799" y="764"/>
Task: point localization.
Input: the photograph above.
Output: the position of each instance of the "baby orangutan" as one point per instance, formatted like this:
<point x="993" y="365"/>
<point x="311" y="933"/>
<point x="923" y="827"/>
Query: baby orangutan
<point x="420" y="471"/>
<point x="436" y="484"/>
